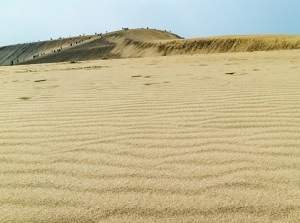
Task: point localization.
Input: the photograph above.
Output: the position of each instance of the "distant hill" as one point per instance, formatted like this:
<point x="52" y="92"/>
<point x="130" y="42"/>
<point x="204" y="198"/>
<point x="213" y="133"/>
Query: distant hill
<point x="138" y="43"/>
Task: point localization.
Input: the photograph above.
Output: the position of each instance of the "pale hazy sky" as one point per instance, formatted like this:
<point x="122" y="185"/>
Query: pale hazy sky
<point x="33" y="20"/>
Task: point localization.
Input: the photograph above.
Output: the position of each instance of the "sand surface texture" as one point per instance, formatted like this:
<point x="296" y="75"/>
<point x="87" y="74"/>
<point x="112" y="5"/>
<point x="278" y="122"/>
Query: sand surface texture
<point x="202" y="138"/>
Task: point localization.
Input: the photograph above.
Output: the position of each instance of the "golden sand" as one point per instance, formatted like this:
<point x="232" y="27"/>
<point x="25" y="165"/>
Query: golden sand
<point x="202" y="138"/>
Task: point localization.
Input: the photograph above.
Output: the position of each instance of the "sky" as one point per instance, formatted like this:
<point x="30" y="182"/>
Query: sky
<point x="24" y="21"/>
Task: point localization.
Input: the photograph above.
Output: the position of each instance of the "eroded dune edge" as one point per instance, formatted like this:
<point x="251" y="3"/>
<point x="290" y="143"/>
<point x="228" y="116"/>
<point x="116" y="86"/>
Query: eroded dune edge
<point x="201" y="138"/>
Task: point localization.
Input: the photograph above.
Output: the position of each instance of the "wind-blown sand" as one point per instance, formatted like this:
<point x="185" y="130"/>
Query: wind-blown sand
<point x="202" y="138"/>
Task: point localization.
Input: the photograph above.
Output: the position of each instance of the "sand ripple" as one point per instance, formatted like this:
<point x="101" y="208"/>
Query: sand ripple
<point x="153" y="139"/>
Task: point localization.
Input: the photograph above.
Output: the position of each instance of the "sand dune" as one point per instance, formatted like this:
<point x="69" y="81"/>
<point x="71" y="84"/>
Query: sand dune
<point x="139" y="43"/>
<point x="78" y="48"/>
<point x="201" y="138"/>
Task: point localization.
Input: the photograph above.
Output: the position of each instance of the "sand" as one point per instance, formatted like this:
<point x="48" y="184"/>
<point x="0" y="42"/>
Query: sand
<point x="201" y="138"/>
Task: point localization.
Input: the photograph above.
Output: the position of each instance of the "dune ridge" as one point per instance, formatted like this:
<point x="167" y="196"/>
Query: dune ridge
<point x="199" y="138"/>
<point x="140" y="43"/>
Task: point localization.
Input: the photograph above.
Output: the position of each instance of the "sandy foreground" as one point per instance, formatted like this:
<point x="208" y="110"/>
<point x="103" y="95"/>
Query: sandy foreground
<point x="202" y="138"/>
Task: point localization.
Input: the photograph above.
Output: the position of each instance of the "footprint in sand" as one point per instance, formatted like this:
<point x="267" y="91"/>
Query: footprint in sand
<point x="37" y="81"/>
<point x="25" y="98"/>
<point x="235" y="74"/>
<point x="165" y="82"/>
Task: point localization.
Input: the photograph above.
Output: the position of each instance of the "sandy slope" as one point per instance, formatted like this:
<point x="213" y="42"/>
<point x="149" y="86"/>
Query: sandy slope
<point x="26" y="51"/>
<point x="82" y="48"/>
<point x="203" y="138"/>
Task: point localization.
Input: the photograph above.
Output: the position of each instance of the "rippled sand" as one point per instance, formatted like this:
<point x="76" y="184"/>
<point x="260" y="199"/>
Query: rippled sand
<point x="203" y="138"/>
